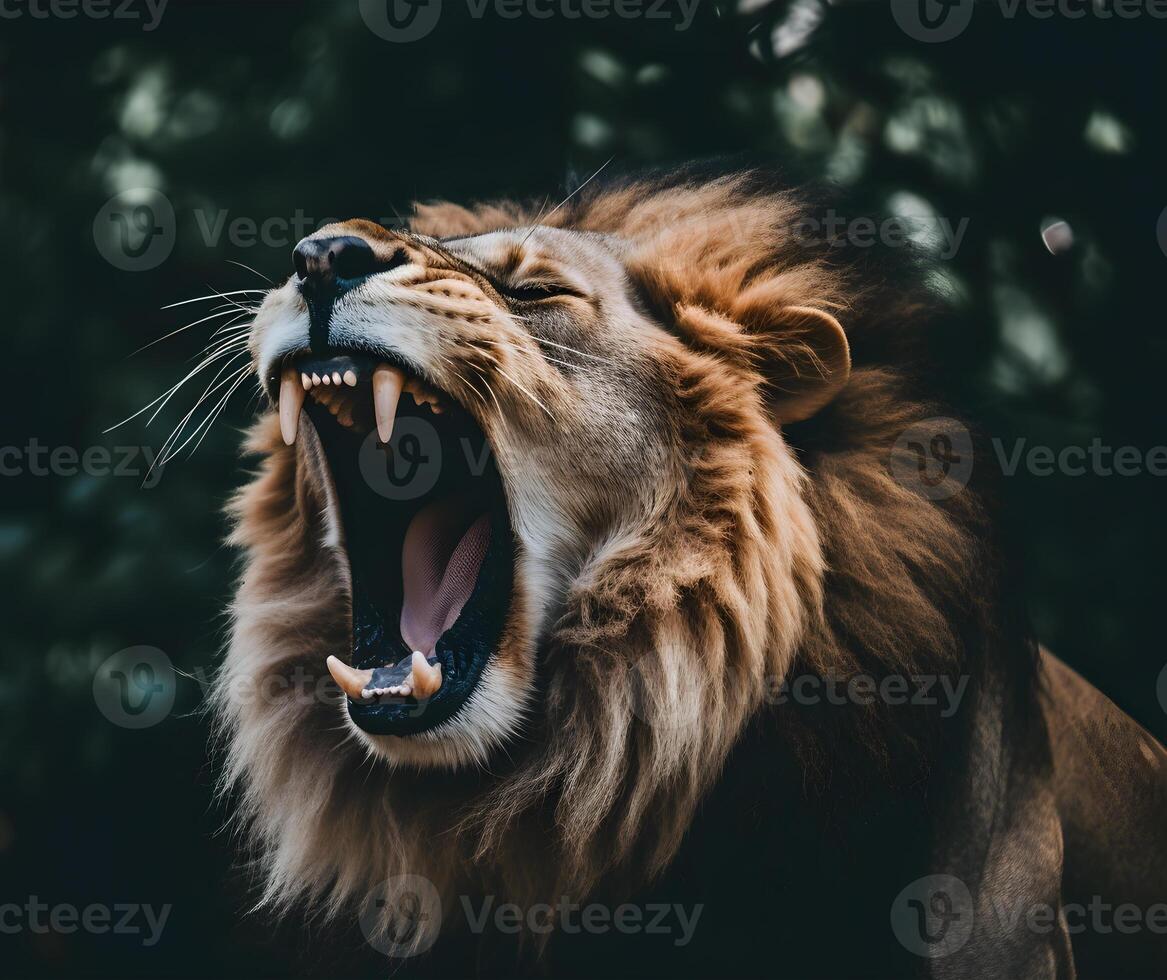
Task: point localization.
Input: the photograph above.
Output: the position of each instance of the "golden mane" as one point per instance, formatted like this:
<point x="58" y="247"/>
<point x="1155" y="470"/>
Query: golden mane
<point x="771" y="556"/>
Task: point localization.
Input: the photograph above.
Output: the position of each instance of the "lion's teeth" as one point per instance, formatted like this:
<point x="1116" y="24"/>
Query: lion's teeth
<point x="424" y="678"/>
<point x="291" y="401"/>
<point x="305" y="381"/>
<point x="350" y="378"/>
<point x="387" y="384"/>
<point x="349" y="679"/>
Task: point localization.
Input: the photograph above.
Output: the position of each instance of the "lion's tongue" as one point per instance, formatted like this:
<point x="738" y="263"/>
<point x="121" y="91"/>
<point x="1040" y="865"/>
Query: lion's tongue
<point x="443" y="550"/>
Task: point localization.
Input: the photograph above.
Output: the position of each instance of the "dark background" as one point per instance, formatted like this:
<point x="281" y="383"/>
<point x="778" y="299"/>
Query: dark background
<point x="274" y="110"/>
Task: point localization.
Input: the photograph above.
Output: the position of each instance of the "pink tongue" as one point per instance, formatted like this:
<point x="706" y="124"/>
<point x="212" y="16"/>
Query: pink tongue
<point x="440" y="558"/>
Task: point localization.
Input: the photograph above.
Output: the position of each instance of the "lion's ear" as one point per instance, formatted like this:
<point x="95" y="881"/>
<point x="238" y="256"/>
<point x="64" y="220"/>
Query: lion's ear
<point x="809" y="362"/>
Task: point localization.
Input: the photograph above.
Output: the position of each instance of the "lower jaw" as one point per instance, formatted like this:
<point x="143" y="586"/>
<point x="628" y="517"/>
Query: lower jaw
<point x="463" y="651"/>
<point x="373" y="533"/>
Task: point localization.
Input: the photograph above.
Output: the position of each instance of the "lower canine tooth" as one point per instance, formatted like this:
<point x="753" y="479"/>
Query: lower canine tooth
<point x="291" y="401"/>
<point x="349" y="679"/>
<point x="424" y="679"/>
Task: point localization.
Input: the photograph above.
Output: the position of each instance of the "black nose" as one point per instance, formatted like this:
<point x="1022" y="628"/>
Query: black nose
<point x="320" y="262"/>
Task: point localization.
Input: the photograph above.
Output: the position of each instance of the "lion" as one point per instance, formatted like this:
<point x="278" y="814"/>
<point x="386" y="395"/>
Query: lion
<point x="567" y="525"/>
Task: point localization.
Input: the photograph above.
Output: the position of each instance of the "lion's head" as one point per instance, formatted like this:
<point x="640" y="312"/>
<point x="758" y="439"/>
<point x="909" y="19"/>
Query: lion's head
<point x="548" y="640"/>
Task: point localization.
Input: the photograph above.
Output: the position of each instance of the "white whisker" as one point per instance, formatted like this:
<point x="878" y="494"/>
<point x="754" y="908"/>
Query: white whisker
<point x="236" y="377"/>
<point x="209" y="421"/>
<point x="206" y="362"/>
<point x="594" y="357"/>
<point x="525" y="392"/>
<point x="486" y="382"/>
<point x="249" y="269"/>
<point x="212" y="316"/>
<point x="198" y="299"/>
<point x="568" y="198"/>
<point x="519" y="350"/>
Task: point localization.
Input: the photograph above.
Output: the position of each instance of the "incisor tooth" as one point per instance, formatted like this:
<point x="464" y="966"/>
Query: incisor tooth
<point x="336" y="377"/>
<point x="387" y="384"/>
<point x="424" y="679"/>
<point x="349" y="679"/>
<point x="350" y="378"/>
<point x="291" y="401"/>
<point x="305" y="381"/>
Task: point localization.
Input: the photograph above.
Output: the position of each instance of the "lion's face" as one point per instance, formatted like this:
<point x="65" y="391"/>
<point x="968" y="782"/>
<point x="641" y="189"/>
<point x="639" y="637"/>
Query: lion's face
<point x="585" y="553"/>
<point x="532" y="404"/>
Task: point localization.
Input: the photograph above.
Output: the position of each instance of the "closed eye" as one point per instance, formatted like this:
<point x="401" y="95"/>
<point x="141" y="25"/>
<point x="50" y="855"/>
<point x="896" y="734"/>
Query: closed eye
<point x="532" y="292"/>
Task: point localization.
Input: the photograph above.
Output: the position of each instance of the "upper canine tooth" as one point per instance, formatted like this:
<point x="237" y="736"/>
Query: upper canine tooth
<point x="291" y="401"/>
<point x="387" y="384"/>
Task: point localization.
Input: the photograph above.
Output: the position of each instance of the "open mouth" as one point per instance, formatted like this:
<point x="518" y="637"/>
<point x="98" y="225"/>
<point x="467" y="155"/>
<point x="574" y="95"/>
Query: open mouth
<point x="426" y="531"/>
